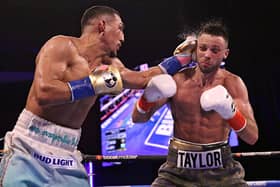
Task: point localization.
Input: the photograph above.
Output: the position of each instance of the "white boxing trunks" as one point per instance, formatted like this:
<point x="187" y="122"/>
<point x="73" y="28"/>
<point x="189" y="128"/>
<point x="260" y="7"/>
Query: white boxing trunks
<point x="40" y="153"/>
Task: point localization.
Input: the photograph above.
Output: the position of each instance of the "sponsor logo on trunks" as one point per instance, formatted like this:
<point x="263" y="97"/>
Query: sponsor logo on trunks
<point x="57" y="162"/>
<point x="65" y="139"/>
<point x="199" y="160"/>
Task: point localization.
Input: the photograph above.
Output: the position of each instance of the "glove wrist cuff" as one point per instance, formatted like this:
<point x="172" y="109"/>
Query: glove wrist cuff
<point x="237" y="122"/>
<point x="143" y="106"/>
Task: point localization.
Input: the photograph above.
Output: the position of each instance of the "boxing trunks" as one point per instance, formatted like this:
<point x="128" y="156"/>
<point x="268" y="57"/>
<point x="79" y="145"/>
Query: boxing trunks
<point x="40" y="153"/>
<point x="199" y="165"/>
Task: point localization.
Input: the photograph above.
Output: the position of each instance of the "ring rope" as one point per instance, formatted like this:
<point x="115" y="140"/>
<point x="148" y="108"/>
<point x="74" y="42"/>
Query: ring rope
<point x="88" y="157"/>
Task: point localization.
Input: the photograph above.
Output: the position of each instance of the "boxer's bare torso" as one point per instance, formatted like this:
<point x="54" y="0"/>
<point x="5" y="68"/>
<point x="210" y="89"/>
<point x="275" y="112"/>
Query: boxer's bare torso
<point x="58" y="62"/>
<point x="64" y="59"/>
<point x="191" y="122"/>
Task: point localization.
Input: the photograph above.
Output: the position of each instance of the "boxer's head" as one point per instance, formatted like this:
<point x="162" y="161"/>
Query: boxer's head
<point x="107" y="24"/>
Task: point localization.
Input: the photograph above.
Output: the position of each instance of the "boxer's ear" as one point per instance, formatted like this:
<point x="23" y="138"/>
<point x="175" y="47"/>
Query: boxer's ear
<point x="101" y="26"/>
<point x="226" y="53"/>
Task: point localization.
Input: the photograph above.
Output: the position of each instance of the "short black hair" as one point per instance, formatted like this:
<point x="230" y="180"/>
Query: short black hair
<point x="214" y="27"/>
<point x="94" y="12"/>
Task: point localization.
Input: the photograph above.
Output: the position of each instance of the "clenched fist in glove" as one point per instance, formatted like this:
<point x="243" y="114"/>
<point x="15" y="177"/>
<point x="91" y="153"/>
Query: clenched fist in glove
<point x="219" y="100"/>
<point x="159" y="87"/>
<point x="186" y="48"/>
<point x="183" y="55"/>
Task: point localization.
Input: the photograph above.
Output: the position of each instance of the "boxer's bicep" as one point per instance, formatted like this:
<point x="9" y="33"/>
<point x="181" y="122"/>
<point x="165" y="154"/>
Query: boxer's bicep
<point x="49" y="74"/>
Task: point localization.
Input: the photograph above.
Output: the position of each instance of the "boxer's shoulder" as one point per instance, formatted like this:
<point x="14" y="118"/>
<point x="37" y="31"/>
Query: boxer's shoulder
<point x="60" y="45"/>
<point x="59" y="41"/>
<point x="231" y="79"/>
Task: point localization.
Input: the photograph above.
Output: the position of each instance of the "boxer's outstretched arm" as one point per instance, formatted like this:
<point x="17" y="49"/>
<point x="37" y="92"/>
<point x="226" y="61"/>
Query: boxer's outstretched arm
<point x="134" y="79"/>
<point x="138" y="79"/>
<point x="57" y="83"/>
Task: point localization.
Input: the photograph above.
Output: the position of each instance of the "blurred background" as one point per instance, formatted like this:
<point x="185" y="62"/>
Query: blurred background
<point x="152" y="30"/>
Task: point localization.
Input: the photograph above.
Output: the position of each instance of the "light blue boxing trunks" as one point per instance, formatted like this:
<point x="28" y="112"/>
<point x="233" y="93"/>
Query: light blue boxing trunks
<point x="39" y="153"/>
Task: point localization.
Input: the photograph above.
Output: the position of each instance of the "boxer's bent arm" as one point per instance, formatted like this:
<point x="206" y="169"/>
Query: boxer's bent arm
<point x="156" y="93"/>
<point x="48" y="85"/>
<point x="159" y="87"/>
<point x="250" y="133"/>
<point x="52" y="92"/>
<point x="240" y="96"/>
<point x="138" y="117"/>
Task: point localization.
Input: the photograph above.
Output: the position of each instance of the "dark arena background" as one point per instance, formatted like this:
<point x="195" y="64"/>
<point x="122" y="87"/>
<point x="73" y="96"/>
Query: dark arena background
<point x="152" y="31"/>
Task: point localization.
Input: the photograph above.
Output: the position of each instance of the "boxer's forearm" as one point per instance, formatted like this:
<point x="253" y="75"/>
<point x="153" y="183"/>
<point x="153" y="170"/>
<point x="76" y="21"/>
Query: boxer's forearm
<point x="138" y="79"/>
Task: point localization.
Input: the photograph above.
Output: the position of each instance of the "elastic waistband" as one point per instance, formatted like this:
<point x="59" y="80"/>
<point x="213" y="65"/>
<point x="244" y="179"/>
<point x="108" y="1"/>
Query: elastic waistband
<point x="43" y="131"/>
<point x="178" y="144"/>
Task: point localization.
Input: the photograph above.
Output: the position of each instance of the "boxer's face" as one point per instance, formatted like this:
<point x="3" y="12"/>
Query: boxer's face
<point x="114" y="35"/>
<point x="211" y="51"/>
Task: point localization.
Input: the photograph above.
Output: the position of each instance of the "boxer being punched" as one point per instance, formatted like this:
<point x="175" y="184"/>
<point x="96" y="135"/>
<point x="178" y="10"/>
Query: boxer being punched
<point x="208" y="104"/>
<point x="70" y="73"/>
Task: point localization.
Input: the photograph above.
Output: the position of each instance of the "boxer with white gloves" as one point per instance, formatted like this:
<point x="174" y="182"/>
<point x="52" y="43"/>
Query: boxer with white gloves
<point x="183" y="55"/>
<point x="219" y="100"/>
<point x="199" y="153"/>
<point x="159" y="87"/>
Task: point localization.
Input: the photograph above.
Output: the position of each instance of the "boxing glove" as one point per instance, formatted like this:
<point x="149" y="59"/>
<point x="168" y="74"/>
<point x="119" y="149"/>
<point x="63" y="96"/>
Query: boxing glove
<point x="183" y="55"/>
<point x="103" y="80"/>
<point x="187" y="46"/>
<point x="159" y="87"/>
<point x="219" y="100"/>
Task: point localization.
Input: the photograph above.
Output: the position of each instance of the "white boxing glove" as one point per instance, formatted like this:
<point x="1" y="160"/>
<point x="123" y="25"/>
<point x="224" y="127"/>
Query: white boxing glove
<point x="159" y="87"/>
<point x="219" y="100"/>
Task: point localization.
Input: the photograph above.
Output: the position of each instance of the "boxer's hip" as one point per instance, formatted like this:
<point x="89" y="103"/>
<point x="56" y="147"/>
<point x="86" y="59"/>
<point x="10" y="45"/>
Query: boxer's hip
<point x="48" y="143"/>
<point x="37" y="149"/>
<point x="39" y="130"/>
